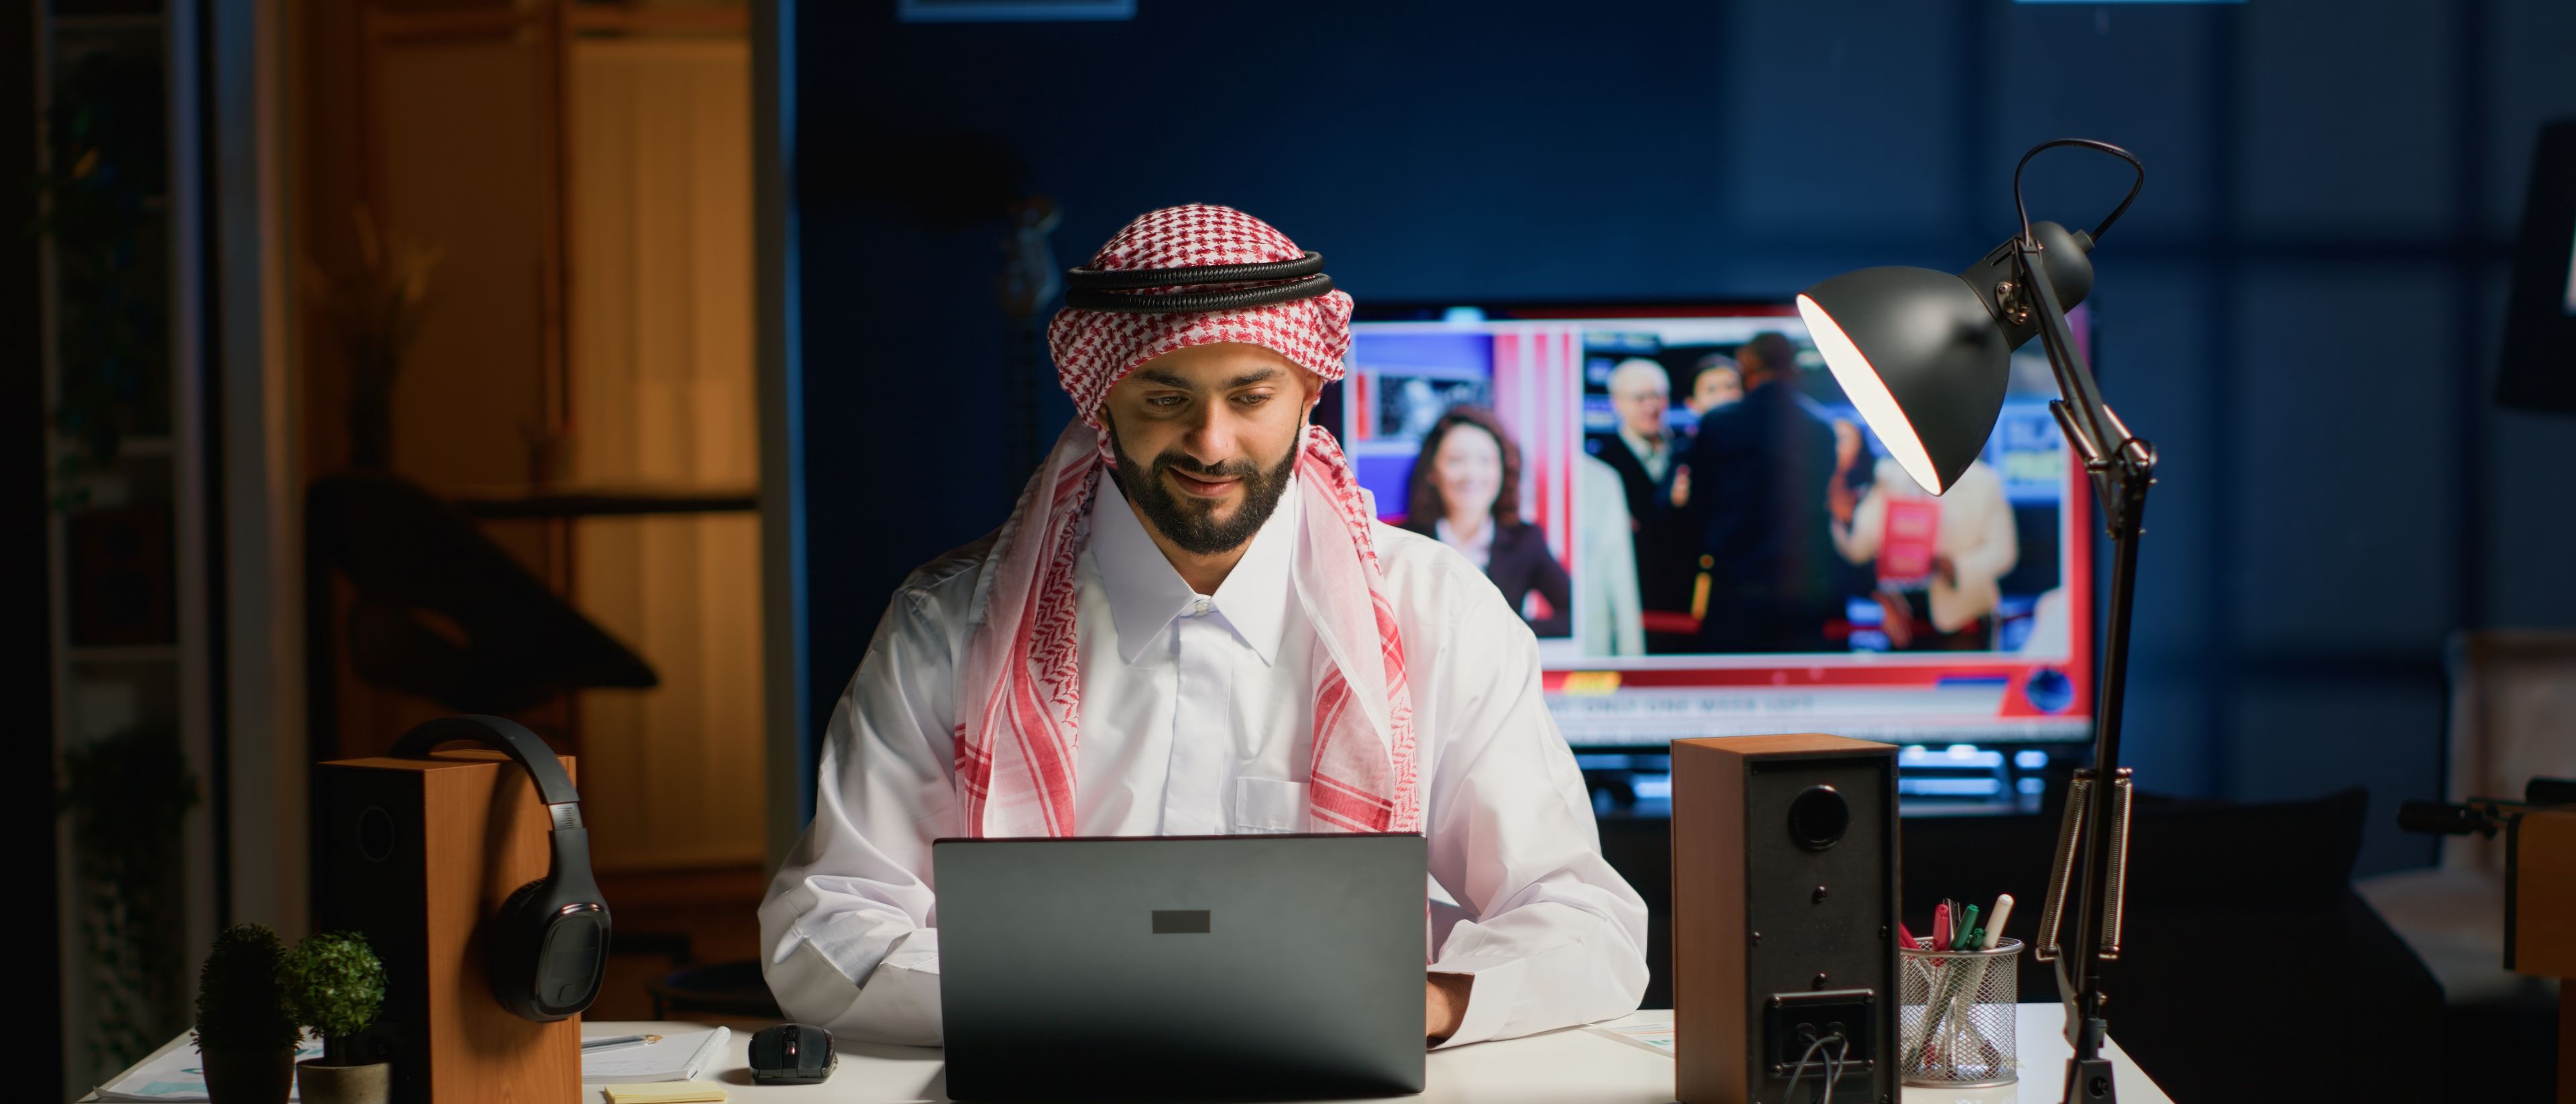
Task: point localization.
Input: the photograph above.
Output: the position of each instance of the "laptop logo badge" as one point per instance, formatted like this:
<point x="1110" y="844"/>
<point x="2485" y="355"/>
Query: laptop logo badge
<point x="1180" y="921"/>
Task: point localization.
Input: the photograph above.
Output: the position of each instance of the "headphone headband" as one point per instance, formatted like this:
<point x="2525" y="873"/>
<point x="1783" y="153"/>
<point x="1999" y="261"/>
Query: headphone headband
<point x="500" y="734"/>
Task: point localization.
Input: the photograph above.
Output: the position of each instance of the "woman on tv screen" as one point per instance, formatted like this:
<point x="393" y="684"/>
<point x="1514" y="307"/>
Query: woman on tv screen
<point x="1465" y="492"/>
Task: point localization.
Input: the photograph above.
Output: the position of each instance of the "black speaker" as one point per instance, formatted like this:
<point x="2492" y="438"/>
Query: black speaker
<point x="1784" y="919"/>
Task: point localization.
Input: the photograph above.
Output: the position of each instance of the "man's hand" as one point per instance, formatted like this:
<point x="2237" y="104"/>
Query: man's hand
<point x="1841" y="501"/>
<point x="1444" y="1004"/>
<point x="1846" y="445"/>
<point x="1896" y="617"/>
<point x="1681" y="486"/>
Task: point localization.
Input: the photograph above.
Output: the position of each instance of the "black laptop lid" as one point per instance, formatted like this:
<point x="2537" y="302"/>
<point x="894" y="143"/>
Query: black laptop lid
<point x="1210" y="967"/>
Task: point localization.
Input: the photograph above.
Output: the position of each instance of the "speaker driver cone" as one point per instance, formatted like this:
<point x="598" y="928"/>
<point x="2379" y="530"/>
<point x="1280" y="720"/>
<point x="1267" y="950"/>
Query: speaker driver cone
<point x="1818" y="818"/>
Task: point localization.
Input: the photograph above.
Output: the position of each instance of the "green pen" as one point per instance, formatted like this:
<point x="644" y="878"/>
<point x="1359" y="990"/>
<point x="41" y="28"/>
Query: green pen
<point x="1959" y="941"/>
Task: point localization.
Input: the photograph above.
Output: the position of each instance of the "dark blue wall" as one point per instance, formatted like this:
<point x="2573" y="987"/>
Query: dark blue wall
<point x="2301" y="310"/>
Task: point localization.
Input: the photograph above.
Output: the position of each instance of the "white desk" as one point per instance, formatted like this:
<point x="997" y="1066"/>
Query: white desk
<point x="1573" y="1066"/>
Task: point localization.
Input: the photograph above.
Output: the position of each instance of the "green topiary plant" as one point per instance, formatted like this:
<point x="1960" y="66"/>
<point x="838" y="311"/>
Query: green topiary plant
<point x="335" y="985"/>
<point x="243" y="1027"/>
<point x="240" y="1005"/>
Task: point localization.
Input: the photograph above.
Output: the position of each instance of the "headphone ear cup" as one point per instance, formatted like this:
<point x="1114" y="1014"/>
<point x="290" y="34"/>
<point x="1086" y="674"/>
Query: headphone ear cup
<point x="510" y="951"/>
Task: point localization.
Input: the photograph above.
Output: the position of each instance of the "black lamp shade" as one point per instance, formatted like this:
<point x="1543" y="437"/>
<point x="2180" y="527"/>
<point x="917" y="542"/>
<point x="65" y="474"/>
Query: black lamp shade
<point x="1919" y="354"/>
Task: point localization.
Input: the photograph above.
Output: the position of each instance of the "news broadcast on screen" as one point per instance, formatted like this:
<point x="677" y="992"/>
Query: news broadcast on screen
<point x="1706" y="542"/>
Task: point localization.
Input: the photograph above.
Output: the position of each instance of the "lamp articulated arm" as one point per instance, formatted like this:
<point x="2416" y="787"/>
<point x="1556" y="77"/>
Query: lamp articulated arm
<point x="2120" y="465"/>
<point x="2121" y="468"/>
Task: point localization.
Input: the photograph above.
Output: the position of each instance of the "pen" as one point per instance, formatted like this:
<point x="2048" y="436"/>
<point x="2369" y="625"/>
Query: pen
<point x="1904" y="938"/>
<point x="1941" y="926"/>
<point x="1961" y="929"/>
<point x="618" y="1042"/>
<point x="1995" y="920"/>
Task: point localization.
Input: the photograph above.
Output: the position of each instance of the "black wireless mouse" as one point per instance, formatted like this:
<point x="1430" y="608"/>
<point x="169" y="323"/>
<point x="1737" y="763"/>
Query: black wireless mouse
<point x="792" y="1054"/>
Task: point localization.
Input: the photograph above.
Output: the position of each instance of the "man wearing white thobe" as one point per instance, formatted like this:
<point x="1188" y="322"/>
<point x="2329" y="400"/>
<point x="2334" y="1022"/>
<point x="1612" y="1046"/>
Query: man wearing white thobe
<point x="1200" y="633"/>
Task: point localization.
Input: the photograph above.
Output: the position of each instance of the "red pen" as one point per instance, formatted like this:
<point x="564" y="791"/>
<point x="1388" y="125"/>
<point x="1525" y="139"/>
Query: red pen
<point x="1905" y="937"/>
<point x="1941" y="926"/>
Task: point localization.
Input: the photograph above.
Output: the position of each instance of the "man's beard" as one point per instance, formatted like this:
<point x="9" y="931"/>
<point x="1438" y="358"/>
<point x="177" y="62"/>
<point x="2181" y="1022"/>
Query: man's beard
<point x="1192" y="523"/>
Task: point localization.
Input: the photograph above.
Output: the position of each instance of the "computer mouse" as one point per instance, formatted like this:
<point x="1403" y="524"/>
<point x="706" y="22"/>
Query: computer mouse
<point x="792" y="1054"/>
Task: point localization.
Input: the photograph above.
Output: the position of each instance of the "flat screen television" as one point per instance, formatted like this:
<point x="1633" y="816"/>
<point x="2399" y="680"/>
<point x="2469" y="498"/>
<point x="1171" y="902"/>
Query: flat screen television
<point x="1798" y="582"/>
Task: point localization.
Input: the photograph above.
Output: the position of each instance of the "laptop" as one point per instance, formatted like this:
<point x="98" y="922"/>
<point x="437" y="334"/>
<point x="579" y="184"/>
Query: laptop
<point x="1262" y="967"/>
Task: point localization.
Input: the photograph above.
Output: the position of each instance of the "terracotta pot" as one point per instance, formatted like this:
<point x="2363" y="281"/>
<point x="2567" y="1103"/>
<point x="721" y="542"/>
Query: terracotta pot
<point x="325" y="1084"/>
<point x="248" y="1075"/>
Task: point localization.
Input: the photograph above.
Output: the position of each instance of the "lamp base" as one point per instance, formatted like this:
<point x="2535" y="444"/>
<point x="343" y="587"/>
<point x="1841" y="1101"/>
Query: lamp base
<point x="2089" y="1079"/>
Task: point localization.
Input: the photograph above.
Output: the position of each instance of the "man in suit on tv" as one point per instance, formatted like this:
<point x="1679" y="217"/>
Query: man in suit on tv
<point x="1753" y="483"/>
<point x="1643" y="451"/>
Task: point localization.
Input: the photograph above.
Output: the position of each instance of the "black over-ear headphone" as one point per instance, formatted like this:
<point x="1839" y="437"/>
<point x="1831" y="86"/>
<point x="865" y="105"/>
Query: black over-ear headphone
<point x="548" y="944"/>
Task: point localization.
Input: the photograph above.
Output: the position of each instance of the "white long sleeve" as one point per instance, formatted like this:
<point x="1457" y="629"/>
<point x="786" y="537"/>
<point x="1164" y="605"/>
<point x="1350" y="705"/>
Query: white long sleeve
<point x="1551" y="934"/>
<point x="1554" y="936"/>
<point x="848" y="920"/>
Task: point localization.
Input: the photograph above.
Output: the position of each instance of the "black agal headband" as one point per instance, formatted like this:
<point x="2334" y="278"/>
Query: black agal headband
<point x="1115" y="289"/>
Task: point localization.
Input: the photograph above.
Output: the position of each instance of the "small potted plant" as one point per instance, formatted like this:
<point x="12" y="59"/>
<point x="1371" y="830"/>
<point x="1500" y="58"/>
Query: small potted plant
<point x="244" y="1034"/>
<point x="335" y="985"/>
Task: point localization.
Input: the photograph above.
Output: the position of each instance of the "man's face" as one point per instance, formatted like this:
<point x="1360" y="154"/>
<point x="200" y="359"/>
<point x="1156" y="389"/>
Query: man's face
<point x="1641" y="406"/>
<point x="1752" y="369"/>
<point x="1217" y="428"/>
<point x="1715" y="387"/>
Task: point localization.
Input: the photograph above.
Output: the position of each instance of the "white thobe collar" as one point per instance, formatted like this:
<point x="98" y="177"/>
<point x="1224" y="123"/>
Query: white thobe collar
<point x="1146" y="592"/>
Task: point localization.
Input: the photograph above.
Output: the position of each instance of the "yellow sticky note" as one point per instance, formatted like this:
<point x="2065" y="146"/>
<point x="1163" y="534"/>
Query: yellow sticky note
<point x="667" y="1092"/>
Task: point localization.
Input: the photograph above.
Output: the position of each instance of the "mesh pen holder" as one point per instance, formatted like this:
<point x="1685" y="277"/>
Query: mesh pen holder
<point x="1955" y="1016"/>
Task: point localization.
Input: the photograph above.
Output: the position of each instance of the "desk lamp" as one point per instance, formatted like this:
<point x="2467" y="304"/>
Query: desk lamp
<point x="1925" y="356"/>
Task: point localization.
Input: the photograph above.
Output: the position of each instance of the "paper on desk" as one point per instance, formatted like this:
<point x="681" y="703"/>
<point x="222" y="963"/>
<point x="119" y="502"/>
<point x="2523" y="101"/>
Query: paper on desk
<point x="181" y="1075"/>
<point x="664" y="1092"/>
<point x="1657" y="1037"/>
<point x="680" y="1056"/>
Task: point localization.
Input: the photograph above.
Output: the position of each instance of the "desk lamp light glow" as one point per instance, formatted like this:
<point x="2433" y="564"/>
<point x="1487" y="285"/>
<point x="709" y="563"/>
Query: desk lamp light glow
<point x="1925" y="356"/>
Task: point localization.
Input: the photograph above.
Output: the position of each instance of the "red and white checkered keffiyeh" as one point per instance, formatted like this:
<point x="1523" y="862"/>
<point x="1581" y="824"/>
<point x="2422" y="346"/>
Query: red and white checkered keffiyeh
<point x="1019" y="700"/>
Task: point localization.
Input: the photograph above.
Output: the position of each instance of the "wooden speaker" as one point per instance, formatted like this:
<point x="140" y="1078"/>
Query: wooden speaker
<point x="415" y="854"/>
<point x="1784" y="914"/>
